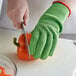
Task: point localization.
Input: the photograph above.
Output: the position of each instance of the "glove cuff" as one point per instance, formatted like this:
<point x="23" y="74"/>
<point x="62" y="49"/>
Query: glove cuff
<point x="64" y="5"/>
<point x="58" y="11"/>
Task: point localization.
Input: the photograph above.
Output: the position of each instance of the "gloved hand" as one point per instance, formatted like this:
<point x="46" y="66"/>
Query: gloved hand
<point x="17" y="10"/>
<point x="46" y="33"/>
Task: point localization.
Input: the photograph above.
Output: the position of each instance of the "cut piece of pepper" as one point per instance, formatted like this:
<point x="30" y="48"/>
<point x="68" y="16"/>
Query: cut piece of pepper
<point x="2" y="72"/>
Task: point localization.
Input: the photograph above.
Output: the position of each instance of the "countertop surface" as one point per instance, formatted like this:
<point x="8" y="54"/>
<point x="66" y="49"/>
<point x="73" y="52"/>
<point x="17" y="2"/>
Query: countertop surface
<point x="62" y="63"/>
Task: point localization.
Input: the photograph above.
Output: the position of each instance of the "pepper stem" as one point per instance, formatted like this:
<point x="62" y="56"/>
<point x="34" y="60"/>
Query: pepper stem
<point x="15" y="42"/>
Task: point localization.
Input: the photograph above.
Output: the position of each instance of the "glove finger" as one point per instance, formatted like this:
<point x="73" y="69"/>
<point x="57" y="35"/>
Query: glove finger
<point x="47" y="49"/>
<point x="48" y="45"/>
<point x="41" y="43"/>
<point x="34" y="40"/>
<point x="55" y="38"/>
<point x="53" y="47"/>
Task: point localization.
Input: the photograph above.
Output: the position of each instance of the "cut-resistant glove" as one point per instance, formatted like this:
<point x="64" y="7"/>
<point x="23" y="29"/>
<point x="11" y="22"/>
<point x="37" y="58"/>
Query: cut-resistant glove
<point x="46" y="33"/>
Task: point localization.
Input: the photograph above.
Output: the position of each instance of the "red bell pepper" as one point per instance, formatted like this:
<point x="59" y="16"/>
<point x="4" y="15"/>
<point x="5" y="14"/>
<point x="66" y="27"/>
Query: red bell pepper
<point x="21" y="50"/>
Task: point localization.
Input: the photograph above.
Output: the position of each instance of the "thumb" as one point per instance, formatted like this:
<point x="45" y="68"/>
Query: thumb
<point x="17" y="20"/>
<point x="26" y="17"/>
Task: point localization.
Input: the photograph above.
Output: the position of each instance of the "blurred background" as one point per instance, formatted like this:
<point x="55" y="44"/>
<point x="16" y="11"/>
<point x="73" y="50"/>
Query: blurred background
<point x="37" y="8"/>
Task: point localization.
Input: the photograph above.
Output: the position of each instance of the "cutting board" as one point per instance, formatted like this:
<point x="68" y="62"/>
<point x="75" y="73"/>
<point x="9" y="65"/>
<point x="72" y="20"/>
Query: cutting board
<point x="62" y="63"/>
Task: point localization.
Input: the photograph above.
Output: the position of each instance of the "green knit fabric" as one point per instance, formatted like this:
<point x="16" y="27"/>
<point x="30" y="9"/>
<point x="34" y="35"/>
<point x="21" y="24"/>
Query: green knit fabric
<point x="46" y="33"/>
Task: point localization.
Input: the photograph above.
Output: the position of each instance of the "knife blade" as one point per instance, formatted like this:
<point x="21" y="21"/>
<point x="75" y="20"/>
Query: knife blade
<point x="26" y="41"/>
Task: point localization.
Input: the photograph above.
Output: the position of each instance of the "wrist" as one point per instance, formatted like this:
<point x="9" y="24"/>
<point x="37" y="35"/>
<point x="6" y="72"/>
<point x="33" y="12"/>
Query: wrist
<point x="64" y="5"/>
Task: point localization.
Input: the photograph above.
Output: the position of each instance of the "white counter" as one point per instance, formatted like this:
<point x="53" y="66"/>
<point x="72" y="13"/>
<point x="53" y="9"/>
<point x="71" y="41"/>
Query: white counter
<point x="62" y="63"/>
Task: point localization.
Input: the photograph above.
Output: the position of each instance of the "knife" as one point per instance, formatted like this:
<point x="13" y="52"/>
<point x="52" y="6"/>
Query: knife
<point x="26" y="41"/>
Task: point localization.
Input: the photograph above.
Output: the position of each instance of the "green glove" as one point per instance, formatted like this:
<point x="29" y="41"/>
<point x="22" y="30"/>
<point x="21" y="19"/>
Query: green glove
<point x="46" y="33"/>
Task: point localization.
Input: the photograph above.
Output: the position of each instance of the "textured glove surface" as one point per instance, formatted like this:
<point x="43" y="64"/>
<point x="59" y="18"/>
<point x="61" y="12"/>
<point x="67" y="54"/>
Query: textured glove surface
<point x="46" y="33"/>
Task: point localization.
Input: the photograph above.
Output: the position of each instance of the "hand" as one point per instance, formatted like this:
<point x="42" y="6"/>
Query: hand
<point x="46" y="33"/>
<point x="17" y="10"/>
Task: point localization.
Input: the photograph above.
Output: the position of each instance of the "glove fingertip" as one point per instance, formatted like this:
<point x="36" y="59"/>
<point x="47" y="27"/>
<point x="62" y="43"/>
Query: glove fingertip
<point x="36" y="57"/>
<point x="43" y="57"/>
